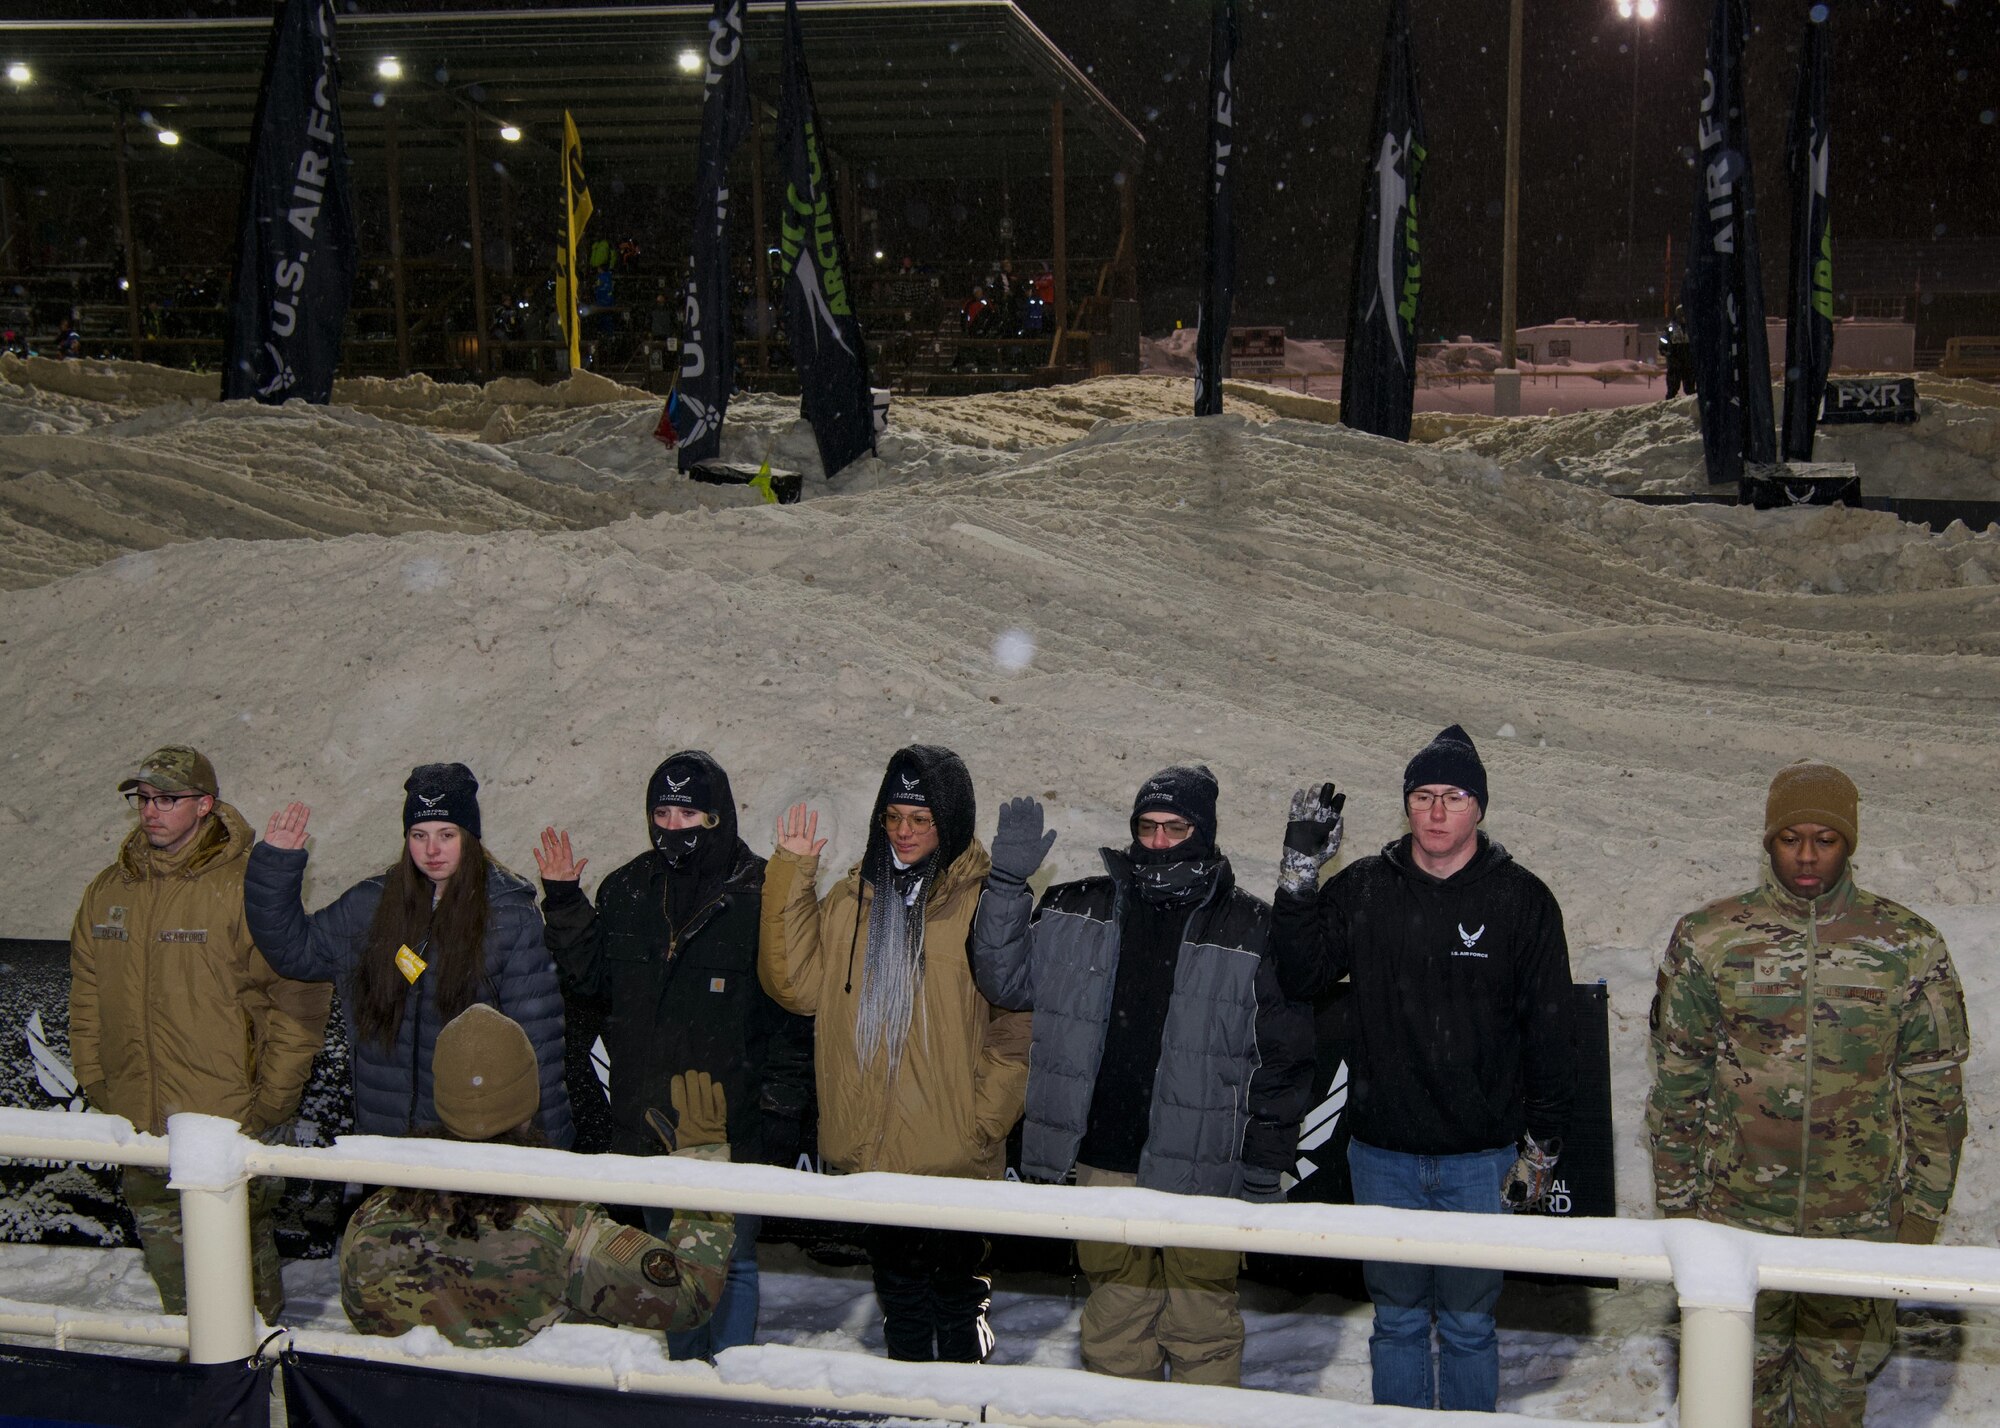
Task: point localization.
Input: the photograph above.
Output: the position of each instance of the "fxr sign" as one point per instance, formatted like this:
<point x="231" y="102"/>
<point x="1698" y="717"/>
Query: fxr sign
<point x="1873" y="399"/>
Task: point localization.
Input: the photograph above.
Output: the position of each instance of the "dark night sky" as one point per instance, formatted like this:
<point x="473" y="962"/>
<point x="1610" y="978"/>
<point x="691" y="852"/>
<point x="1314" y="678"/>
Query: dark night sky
<point x="1916" y="146"/>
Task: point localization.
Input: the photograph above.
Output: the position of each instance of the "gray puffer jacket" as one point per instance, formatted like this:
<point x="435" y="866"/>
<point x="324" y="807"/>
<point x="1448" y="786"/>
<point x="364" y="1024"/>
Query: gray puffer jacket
<point x="1236" y="1058"/>
<point x="392" y="1085"/>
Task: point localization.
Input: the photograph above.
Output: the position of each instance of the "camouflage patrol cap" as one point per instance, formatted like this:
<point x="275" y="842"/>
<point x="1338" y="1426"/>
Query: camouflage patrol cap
<point x="485" y="1080"/>
<point x="1812" y="792"/>
<point x="174" y="769"/>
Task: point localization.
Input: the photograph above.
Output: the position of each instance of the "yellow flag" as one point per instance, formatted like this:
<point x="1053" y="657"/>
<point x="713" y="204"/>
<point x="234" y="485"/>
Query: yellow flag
<point x="576" y="213"/>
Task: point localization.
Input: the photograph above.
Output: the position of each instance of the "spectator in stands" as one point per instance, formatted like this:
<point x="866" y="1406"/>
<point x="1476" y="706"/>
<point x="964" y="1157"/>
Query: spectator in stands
<point x="172" y="1008"/>
<point x="975" y="310"/>
<point x="918" y="1072"/>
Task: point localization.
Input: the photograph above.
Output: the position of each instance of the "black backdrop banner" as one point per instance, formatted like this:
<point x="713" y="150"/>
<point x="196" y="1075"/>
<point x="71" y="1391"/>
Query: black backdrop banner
<point x="1219" y="278"/>
<point x="326" y="1392"/>
<point x="296" y="254"/>
<point x="60" y="1388"/>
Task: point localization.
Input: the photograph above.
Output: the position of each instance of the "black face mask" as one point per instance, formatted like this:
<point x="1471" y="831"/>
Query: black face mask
<point x="1181" y="873"/>
<point x="682" y="847"/>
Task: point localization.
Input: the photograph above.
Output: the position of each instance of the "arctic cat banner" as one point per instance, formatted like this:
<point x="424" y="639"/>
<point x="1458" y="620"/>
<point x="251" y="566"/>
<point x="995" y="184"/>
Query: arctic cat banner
<point x="60" y="1388"/>
<point x="1219" y="280"/>
<point x="1724" y="289"/>
<point x="1809" y="314"/>
<point x="827" y="346"/>
<point x="296" y="254"/>
<point x="1585" y="1183"/>
<point x="326" y="1392"/>
<point x="708" y="346"/>
<point x="1378" y="383"/>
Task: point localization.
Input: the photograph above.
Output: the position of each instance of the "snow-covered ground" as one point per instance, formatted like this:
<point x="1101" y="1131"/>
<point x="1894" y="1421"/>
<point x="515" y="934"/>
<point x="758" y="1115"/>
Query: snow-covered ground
<point x="1072" y="587"/>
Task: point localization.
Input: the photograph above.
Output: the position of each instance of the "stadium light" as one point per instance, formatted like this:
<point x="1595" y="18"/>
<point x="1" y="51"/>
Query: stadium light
<point x="389" y="67"/>
<point x="1639" y="12"/>
<point x="19" y="73"/>
<point x="169" y="137"/>
<point x="689" y="62"/>
<point x="511" y="134"/>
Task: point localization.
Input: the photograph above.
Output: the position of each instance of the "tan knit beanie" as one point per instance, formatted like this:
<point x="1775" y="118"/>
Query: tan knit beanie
<point x="1812" y="792"/>
<point x="485" y="1080"/>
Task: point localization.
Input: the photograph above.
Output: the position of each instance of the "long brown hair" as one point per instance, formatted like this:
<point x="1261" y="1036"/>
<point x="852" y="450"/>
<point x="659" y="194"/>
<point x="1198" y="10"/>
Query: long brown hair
<point x="451" y="938"/>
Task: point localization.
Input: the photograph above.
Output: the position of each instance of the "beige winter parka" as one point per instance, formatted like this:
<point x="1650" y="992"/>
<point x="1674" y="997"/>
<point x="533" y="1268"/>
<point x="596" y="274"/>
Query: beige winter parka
<point x="964" y="1072"/>
<point x="172" y="1008"/>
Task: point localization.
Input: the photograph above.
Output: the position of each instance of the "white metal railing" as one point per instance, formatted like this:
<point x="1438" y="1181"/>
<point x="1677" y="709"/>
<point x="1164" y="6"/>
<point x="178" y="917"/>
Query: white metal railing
<point x="1716" y="1270"/>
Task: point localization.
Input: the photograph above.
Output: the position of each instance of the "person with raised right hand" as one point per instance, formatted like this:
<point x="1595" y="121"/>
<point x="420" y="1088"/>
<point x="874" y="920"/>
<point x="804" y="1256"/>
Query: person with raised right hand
<point x="918" y="1073"/>
<point x="1165" y="1056"/>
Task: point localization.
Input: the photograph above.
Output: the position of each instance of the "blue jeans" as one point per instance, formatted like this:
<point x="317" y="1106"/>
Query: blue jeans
<point x="1406" y="1295"/>
<point x="734" y="1321"/>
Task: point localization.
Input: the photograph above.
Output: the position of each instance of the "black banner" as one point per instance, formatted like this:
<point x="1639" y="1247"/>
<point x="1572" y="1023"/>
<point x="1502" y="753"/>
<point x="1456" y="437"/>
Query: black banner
<point x="1585" y="1184"/>
<point x="60" y="1388"/>
<point x="708" y="339"/>
<point x="1378" y="383"/>
<point x="1724" y="287"/>
<point x="1869" y="399"/>
<point x="827" y="346"/>
<point x="1219" y="277"/>
<point x="1809" y="314"/>
<point x="296" y="255"/>
<point x="326" y="1392"/>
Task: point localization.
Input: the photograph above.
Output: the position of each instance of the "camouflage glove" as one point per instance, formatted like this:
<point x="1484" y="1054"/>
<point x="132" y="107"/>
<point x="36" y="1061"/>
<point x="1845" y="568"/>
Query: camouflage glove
<point x="1527" y="1184"/>
<point x="1312" y="837"/>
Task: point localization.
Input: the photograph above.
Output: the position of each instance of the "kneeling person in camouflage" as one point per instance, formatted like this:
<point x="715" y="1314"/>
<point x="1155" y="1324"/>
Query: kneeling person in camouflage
<point x="1808" y="1040"/>
<point x="487" y="1271"/>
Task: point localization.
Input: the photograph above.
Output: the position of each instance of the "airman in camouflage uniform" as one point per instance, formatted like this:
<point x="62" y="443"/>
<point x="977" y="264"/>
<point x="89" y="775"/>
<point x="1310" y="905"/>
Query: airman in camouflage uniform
<point x="488" y="1272"/>
<point x="1808" y="1039"/>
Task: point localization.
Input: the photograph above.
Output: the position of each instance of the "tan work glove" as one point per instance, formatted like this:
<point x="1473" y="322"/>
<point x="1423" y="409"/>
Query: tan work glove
<point x="700" y="1115"/>
<point x="1916" y="1230"/>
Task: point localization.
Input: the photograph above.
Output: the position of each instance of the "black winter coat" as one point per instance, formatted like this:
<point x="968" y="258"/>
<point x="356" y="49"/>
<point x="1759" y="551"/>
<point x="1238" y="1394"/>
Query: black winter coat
<point x="690" y="1002"/>
<point x="1461" y="994"/>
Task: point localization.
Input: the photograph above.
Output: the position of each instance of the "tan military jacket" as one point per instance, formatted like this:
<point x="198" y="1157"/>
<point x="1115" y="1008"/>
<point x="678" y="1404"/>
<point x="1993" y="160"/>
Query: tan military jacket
<point x="171" y="1006"/>
<point x="964" y="1073"/>
<point x="1807" y="1064"/>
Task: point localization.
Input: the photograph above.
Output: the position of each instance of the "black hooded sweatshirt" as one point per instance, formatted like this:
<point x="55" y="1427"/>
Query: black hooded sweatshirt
<point x="672" y="952"/>
<point x="1461" y="995"/>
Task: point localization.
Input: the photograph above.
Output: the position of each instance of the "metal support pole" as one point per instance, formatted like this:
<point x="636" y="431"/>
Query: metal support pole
<point x="760" y="258"/>
<point x="1060" y="238"/>
<point x="1507" y="379"/>
<point x="10" y="259"/>
<point x="1718" y="1352"/>
<point x="479" y="313"/>
<point x="1128" y="234"/>
<point x="1632" y="171"/>
<point x="130" y="240"/>
<point x="391" y="159"/>
<point x="222" y="1316"/>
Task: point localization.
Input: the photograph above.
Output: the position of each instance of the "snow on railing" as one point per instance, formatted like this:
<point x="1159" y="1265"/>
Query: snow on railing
<point x="1716" y="1270"/>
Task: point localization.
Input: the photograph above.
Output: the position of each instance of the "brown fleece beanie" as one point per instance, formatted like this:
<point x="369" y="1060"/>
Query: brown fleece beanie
<point x="1811" y="792"/>
<point x="485" y="1080"/>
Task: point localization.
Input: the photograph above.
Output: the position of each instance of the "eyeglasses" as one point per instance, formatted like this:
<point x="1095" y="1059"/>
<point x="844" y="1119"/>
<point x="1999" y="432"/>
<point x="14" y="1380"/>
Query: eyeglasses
<point x="1174" y="828"/>
<point x="163" y="802"/>
<point x="915" y="822"/>
<point x="1455" y="800"/>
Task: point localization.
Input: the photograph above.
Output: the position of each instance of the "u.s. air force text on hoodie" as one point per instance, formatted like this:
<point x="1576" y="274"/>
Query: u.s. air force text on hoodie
<point x="1461" y="989"/>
